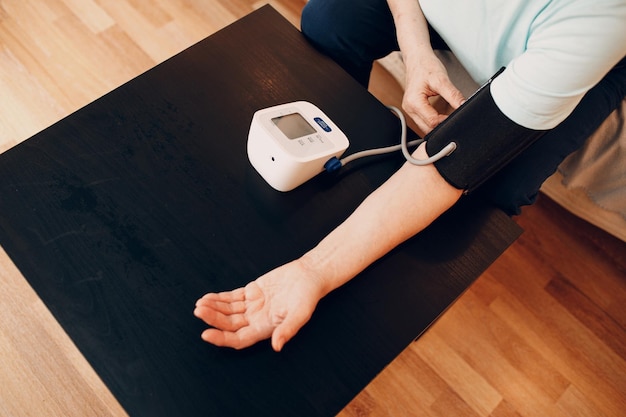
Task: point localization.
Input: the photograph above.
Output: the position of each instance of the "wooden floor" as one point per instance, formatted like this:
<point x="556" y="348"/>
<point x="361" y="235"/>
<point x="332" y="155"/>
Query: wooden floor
<point x="541" y="333"/>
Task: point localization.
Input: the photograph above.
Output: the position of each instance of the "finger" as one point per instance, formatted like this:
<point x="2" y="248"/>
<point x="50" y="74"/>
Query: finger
<point x="241" y="339"/>
<point x="238" y="294"/>
<point x="424" y="114"/>
<point x="228" y="322"/>
<point x="234" y="307"/>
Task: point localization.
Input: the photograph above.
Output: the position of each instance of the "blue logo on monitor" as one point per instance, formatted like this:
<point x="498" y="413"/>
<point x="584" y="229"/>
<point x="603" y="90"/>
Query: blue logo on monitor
<point x="322" y="124"/>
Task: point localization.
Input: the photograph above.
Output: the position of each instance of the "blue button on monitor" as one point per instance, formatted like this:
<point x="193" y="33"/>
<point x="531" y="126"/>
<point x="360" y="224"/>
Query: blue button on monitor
<point x="322" y="124"/>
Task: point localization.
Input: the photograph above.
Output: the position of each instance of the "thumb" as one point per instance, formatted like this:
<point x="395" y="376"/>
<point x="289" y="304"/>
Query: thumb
<point x="287" y="329"/>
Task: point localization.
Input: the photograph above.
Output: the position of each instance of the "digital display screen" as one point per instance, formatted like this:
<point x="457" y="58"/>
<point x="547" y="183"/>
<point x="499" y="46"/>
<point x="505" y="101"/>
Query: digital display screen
<point x="293" y="125"/>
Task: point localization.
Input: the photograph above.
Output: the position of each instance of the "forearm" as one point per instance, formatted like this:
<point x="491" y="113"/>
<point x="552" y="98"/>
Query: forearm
<point x="411" y="30"/>
<point x="404" y="205"/>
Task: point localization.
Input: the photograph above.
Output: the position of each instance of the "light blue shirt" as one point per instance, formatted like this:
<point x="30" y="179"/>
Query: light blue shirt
<point x="554" y="50"/>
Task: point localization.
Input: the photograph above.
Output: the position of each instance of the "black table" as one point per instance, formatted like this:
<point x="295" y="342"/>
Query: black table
<point x="124" y="213"/>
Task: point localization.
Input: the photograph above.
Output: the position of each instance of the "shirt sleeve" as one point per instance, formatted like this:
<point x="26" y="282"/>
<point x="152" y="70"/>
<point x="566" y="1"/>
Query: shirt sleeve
<point x="569" y="50"/>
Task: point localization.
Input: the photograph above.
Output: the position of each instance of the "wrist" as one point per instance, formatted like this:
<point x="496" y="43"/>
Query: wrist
<point x="314" y="268"/>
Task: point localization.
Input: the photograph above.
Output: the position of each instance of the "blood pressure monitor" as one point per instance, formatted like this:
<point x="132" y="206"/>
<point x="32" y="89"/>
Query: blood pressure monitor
<point x="289" y="144"/>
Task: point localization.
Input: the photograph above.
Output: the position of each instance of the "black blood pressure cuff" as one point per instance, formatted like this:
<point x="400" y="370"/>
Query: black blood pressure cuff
<point x="486" y="141"/>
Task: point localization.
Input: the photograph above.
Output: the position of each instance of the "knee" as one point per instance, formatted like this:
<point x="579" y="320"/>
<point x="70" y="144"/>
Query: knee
<point x="320" y="22"/>
<point x="329" y="25"/>
<point x="352" y="33"/>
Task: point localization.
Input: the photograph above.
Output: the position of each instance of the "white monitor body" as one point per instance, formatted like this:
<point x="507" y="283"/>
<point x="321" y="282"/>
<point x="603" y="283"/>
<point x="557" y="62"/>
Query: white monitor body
<point x="289" y="144"/>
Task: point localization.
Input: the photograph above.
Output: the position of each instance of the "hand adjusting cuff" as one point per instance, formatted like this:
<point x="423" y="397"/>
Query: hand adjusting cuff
<point x="486" y="141"/>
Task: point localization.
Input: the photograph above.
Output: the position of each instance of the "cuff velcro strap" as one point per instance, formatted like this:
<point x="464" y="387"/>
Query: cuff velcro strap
<point x="486" y="141"/>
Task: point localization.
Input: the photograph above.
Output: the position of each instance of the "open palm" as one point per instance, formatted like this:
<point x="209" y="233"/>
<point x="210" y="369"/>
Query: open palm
<point x="275" y="305"/>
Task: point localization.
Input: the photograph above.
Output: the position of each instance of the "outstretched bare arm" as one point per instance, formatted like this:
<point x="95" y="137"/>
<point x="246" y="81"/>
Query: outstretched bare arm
<point x="280" y="302"/>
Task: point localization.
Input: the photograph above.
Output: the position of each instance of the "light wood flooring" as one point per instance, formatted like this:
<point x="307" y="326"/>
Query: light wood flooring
<point x="541" y="333"/>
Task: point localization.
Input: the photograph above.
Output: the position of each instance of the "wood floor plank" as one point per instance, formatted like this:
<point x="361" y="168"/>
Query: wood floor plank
<point x="547" y="334"/>
<point x="504" y="409"/>
<point x="590" y="315"/>
<point x="449" y="364"/>
<point x="141" y="30"/>
<point x="90" y="14"/>
<point x="487" y="342"/>
<point x="576" y="404"/>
